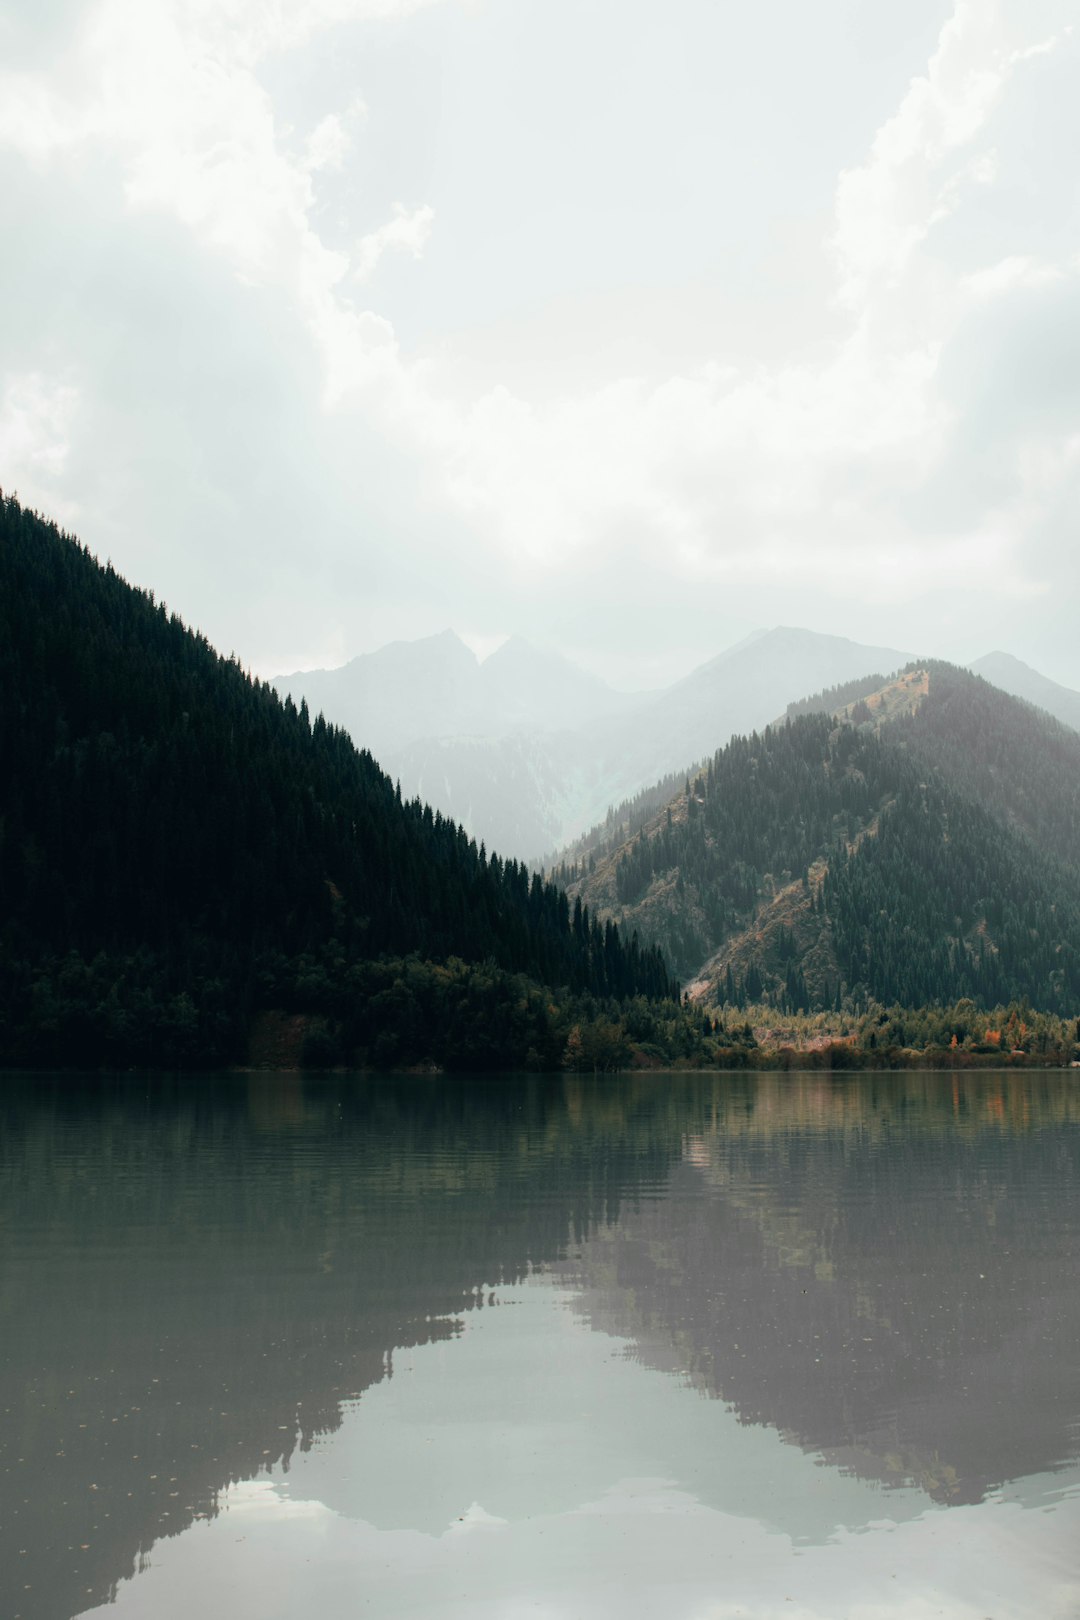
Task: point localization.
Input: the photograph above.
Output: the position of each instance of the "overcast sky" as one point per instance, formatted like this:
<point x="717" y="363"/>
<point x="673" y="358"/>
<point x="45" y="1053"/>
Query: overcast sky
<point x="628" y="326"/>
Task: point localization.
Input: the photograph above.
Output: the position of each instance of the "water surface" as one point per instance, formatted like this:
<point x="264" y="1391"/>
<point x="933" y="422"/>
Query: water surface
<point x="683" y="1346"/>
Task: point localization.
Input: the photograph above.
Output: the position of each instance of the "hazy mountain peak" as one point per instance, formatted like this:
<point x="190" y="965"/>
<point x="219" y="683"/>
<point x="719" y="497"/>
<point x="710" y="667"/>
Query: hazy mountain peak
<point x="799" y="639"/>
<point x="401" y="691"/>
<point x="444" y="644"/>
<point x="1001" y="660"/>
<point x="517" y="654"/>
<point x="786" y="659"/>
<point x="515" y="650"/>
<point x="536" y="687"/>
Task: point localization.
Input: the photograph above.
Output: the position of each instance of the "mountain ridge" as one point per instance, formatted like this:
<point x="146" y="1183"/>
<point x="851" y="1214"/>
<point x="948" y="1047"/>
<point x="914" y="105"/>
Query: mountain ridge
<point x="815" y="863"/>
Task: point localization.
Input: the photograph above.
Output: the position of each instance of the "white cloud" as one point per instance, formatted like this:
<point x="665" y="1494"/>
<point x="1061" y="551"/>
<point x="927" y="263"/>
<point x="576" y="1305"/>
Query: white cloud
<point x="886" y="207"/>
<point x="1018" y="270"/>
<point x="245" y="31"/>
<point x="405" y="232"/>
<point x="171" y="86"/>
<point x="36" y="420"/>
<point x="328" y="145"/>
<point x="793" y="472"/>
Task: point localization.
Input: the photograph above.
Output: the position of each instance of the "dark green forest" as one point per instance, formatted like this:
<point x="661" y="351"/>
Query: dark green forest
<point x="180" y="849"/>
<point x="927" y="858"/>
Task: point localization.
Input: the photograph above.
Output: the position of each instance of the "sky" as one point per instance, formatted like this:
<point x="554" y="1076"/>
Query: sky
<point x="628" y="327"/>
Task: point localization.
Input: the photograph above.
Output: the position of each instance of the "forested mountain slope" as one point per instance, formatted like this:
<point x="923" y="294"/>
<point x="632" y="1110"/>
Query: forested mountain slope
<point x="921" y="846"/>
<point x="177" y="846"/>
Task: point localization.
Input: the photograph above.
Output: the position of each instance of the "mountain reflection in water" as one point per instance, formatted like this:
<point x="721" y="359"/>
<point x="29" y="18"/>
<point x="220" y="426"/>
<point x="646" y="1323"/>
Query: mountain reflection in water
<point x="199" y="1274"/>
<point x="884" y="1271"/>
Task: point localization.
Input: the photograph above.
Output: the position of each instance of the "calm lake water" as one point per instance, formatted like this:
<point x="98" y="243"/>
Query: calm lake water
<point x="680" y="1347"/>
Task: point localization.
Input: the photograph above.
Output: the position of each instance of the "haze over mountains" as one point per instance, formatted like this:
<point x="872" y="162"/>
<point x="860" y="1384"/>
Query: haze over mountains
<point x="528" y="752"/>
<point x="437" y="687"/>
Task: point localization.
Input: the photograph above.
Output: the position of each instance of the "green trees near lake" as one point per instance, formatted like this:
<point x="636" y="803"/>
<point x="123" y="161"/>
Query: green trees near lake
<point x="176" y="843"/>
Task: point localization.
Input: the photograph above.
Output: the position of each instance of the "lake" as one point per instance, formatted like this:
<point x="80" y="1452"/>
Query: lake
<point x="692" y="1347"/>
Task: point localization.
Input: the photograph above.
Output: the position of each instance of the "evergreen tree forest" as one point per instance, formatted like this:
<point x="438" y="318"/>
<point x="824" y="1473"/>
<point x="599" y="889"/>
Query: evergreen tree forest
<point x="915" y="861"/>
<point x="180" y="849"/>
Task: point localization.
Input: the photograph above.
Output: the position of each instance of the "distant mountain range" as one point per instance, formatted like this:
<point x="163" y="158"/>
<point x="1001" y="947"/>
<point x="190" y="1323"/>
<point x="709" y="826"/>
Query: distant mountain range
<point x="436" y="687"/>
<point x="915" y="844"/>
<point x="528" y="752"/>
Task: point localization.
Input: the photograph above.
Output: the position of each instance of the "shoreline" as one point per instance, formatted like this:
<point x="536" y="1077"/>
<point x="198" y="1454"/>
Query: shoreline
<point x="813" y="1062"/>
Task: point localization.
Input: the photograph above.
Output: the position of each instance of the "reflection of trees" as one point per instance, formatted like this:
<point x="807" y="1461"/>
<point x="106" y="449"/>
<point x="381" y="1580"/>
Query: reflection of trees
<point x="882" y="1269"/>
<point x="195" y="1276"/>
